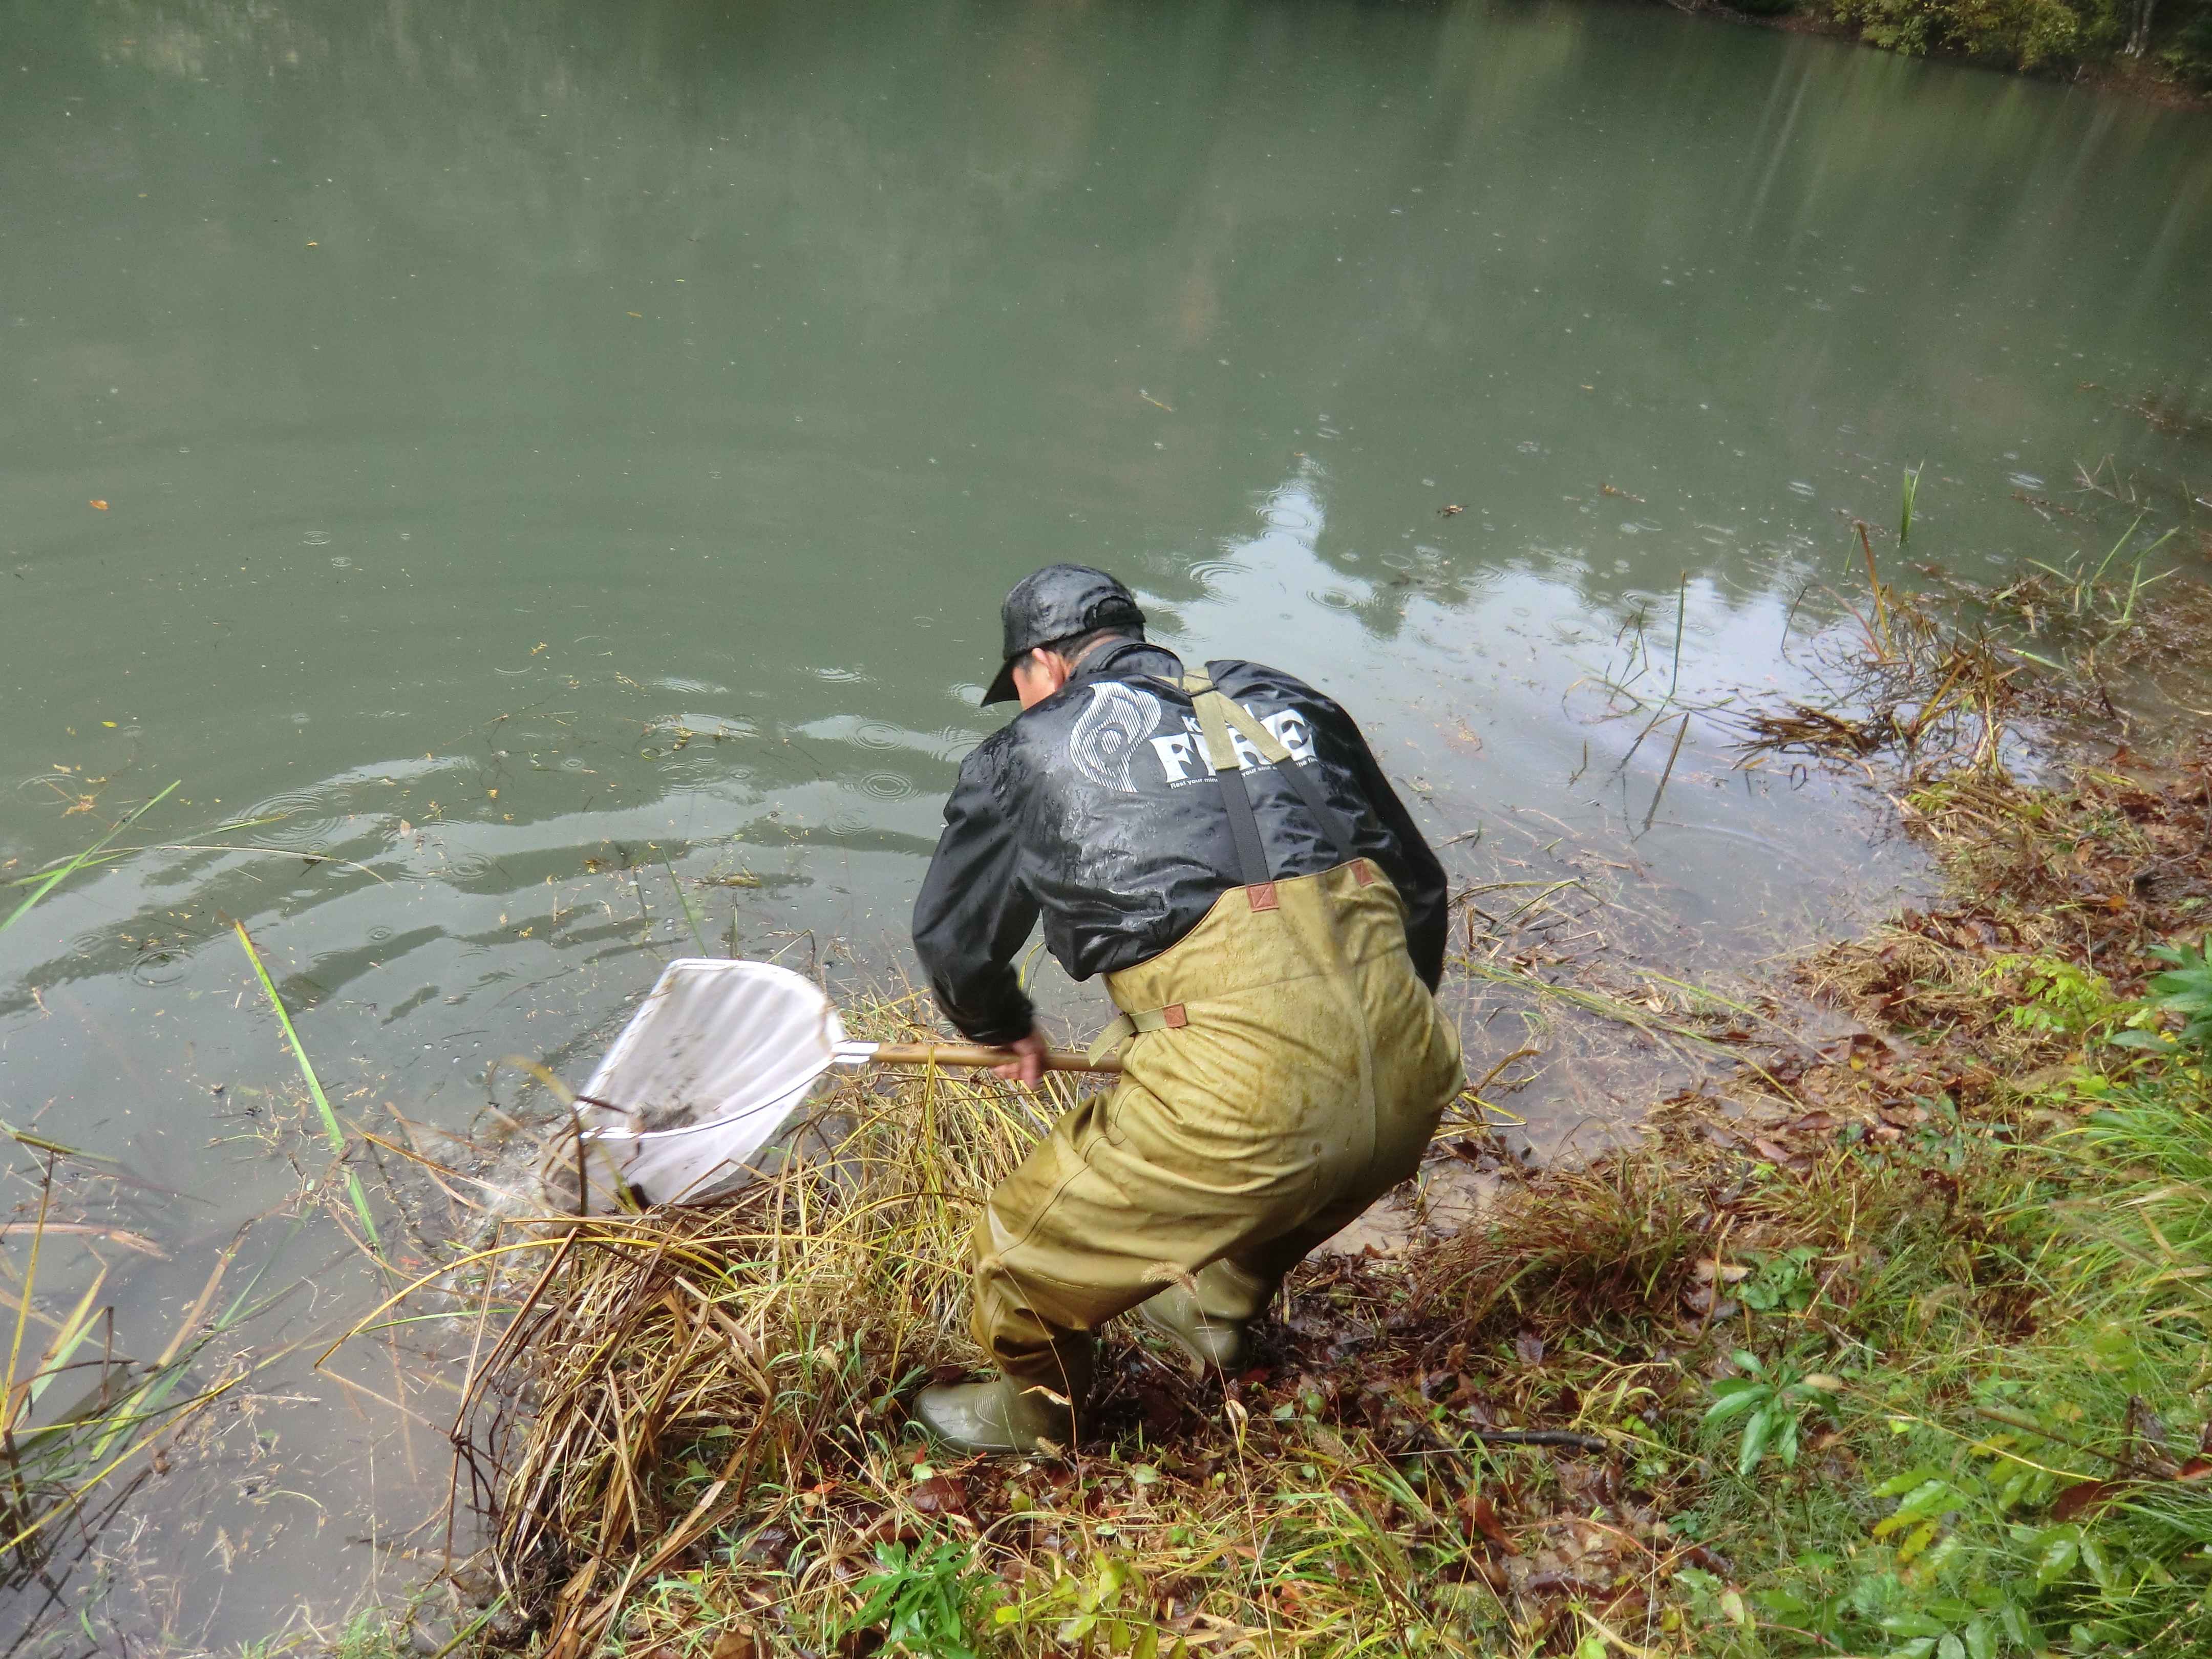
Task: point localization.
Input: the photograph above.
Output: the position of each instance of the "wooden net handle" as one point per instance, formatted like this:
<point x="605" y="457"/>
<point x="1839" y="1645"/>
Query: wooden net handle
<point x="977" y="1053"/>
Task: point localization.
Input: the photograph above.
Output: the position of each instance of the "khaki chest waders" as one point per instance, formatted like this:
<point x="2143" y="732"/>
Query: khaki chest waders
<point x="1284" y="1067"/>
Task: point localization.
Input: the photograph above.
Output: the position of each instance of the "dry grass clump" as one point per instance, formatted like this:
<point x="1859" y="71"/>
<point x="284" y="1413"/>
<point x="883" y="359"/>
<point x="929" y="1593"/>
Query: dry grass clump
<point x="1581" y="1249"/>
<point x="672" y="1370"/>
<point x="1945" y="681"/>
<point x="2053" y="893"/>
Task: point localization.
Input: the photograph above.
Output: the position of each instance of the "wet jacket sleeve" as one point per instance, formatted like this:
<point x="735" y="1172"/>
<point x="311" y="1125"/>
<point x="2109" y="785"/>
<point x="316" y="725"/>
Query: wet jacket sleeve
<point x="974" y="914"/>
<point x="1418" y="877"/>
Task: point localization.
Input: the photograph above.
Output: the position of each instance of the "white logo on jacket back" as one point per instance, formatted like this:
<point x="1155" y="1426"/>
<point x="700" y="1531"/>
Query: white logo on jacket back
<point x="1106" y="734"/>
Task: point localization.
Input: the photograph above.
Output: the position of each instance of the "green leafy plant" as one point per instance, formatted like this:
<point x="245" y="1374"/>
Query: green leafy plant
<point x="1782" y="1283"/>
<point x="1773" y="1404"/>
<point x="1924" y="1496"/>
<point x="2022" y="32"/>
<point x="1715" y="1603"/>
<point x="1105" y="1610"/>
<point x="924" y="1602"/>
<point x="2058" y="997"/>
<point x="2185" y="993"/>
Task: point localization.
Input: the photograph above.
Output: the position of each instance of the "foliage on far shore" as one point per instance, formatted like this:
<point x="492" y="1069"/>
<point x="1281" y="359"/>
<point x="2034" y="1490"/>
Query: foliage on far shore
<point x="2164" y="39"/>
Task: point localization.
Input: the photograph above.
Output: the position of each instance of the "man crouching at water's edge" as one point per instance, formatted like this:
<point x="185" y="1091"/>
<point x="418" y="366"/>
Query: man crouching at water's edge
<point x="1223" y="847"/>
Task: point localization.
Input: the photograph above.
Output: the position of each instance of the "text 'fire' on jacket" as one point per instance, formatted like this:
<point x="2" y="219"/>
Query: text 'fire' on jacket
<point x="1097" y="811"/>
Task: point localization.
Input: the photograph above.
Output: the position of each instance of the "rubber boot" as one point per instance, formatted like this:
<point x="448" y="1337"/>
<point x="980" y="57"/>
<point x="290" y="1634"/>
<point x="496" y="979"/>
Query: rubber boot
<point x="1210" y="1340"/>
<point x="1008" y="1414"/>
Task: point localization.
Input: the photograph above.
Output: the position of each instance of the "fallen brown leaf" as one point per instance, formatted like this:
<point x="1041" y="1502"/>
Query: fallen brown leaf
<point x="941" y="1494"/>
<point x="1483" y="1515"/>
<point x="2082" y="1497"/>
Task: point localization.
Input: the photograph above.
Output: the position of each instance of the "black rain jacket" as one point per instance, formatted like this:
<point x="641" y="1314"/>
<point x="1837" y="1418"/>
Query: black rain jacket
<point x="1097" y="811"/>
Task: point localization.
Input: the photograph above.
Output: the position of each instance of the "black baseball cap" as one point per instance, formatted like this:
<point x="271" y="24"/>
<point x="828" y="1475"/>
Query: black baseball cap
<point x="1058" y="603"/>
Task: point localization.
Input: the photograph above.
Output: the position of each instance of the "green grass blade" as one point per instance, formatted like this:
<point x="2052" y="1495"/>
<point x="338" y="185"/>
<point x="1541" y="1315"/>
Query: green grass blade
<point x="690" y="914"/>
<point x="84" y="860"/>
<point x="330" y="1125"/>
<point x="56" y="878"/>
<point x="67" y="1341"/>
<point x="2098" y="575"/>
<point x="23" y="1302"/>
<point x="1911" y="492"/>
<point x="1681" y="608"/>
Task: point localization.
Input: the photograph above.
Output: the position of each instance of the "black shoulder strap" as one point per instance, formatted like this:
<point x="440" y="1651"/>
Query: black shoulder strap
<point x="1217" y="714"/>
<point x="1307" y="787"/>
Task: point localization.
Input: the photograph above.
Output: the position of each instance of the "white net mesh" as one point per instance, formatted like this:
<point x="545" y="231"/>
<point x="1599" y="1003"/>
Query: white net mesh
<point x="707" y="1071"/>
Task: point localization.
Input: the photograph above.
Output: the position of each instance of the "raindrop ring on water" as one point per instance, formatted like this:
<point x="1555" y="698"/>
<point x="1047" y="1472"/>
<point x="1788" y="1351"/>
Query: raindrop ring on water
<point x="300" y="822"/>
<point x="159" y="967"/>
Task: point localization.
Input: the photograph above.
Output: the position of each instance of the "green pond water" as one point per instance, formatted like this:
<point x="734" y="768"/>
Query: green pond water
<point x="550" y="457"/>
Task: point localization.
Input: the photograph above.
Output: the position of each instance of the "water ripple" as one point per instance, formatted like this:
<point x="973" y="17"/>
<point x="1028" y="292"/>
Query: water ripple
<point x="303" y="822"/>
<point x="954" y="742"/>
<point x="163" y="966"/>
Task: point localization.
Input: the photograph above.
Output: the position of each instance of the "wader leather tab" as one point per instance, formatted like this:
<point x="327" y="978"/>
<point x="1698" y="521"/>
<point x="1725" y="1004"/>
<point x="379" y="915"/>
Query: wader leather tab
<point x="1173" y="1018"/>
<point x="1363" y="872"/>
<point x="1261" y="894"/>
